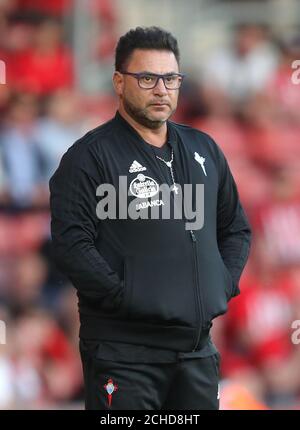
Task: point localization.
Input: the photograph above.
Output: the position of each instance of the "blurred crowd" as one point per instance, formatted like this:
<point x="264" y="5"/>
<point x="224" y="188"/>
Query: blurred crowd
<point x="244" y="97"/>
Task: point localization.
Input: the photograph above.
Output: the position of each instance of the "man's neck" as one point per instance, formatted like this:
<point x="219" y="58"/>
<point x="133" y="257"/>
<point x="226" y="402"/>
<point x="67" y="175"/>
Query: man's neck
<point x="156" y="137"/>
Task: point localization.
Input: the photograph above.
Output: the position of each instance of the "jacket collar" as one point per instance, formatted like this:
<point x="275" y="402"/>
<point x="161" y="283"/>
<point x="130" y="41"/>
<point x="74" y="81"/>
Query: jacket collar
<point x="171" y="133"/>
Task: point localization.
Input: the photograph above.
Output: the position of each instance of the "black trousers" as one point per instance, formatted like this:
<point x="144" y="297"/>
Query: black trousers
<point x="190" y="384"/>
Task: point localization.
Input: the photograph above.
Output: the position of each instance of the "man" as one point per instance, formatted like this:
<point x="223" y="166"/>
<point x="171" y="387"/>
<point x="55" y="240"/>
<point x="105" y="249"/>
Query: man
<point x="148" y="288"/>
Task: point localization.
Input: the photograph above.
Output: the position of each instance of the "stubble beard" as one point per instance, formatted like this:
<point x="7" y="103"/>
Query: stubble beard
<point x="140" y="116"/>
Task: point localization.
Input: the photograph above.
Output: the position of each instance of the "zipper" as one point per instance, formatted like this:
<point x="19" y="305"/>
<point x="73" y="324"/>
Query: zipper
<point x="198" y="290"/>
<point x="194" y="240"/>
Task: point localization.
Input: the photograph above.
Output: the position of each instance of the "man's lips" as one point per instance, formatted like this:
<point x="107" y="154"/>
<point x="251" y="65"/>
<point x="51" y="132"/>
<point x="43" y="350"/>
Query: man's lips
<point x="159" y="104"/>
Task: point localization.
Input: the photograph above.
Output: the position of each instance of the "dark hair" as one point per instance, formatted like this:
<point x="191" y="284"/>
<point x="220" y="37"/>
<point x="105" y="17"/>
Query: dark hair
<point x="144" y="38"/>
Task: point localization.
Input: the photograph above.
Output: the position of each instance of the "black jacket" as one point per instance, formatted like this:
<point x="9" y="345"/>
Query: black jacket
<point x="147" y="281"/>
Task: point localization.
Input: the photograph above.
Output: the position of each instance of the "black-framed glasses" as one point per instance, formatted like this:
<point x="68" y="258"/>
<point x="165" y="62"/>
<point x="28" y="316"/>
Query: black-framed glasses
<point x="148" y="81"/>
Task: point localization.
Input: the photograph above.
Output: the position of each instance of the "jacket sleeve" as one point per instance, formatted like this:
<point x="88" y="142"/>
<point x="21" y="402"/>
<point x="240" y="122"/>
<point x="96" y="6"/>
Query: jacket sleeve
<point x="74" y="225"/>
<point x="233" y="229"/>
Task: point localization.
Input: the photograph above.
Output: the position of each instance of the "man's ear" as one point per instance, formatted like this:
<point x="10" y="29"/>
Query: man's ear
<point x="118" y="83"/>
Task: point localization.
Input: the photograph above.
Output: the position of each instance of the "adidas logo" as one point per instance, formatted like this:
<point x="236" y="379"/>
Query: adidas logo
<point x="136" y="167"/>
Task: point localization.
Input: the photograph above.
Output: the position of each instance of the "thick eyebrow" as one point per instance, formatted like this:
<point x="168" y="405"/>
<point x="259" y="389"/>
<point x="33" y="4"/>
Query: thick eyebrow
<point x="146" y="72"/>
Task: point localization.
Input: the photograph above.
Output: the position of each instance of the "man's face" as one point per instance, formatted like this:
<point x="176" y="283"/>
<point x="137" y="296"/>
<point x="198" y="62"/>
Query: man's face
<point x="149" y="107"/>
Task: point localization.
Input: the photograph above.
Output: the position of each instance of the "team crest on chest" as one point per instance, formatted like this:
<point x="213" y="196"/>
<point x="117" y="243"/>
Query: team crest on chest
<point x="143" y="186"/>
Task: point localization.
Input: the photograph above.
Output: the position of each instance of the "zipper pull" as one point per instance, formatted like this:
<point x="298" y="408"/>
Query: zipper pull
<point x="193" y="236"/>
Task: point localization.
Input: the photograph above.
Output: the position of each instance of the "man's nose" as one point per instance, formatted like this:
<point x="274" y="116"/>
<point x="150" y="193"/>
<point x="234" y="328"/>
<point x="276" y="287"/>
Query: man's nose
<point x="160" y="87"/>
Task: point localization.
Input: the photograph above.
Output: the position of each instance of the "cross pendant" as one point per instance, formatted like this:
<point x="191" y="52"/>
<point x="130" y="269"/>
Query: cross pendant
<point x="175" y="189"/>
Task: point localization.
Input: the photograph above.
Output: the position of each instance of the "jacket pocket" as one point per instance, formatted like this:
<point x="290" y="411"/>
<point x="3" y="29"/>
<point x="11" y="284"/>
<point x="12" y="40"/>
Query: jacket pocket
<point x="123" y="310"/>
<point x="160" y="289"/>
<point x="228" y="281"/>
<point x="216" y="283"/>
<point x="215" y="358"/>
